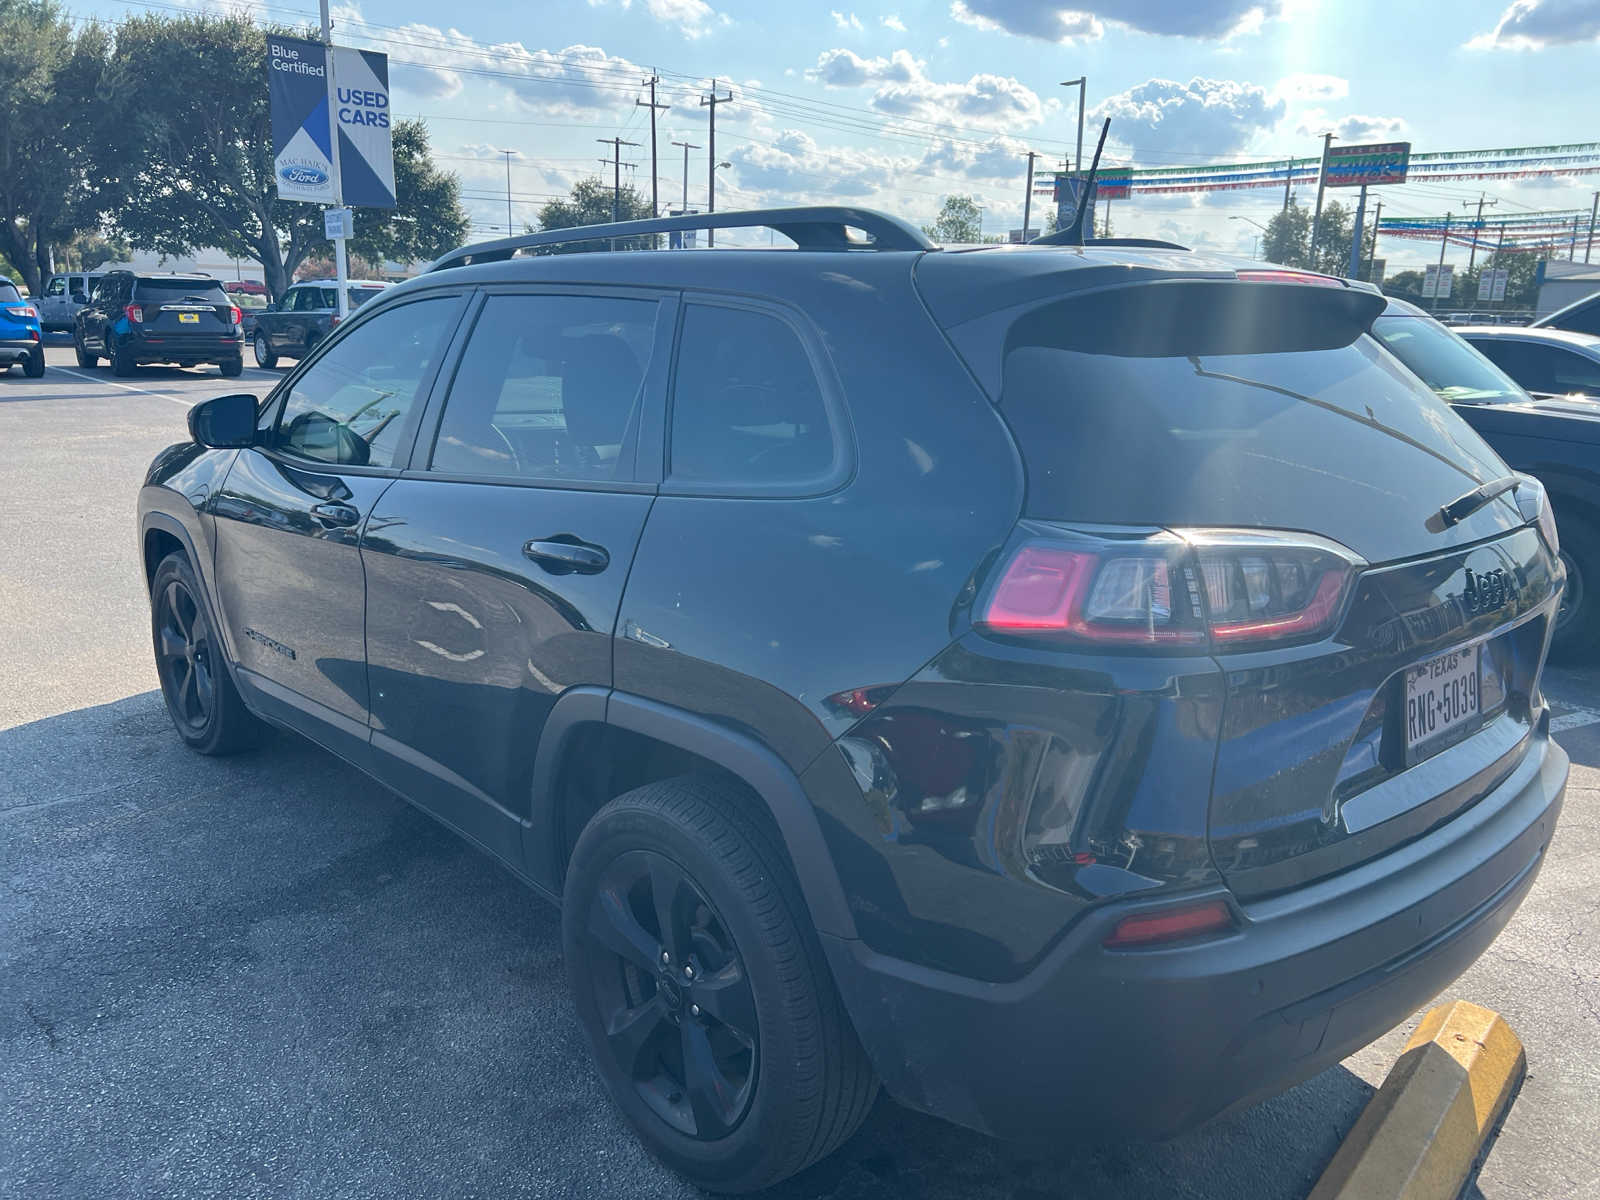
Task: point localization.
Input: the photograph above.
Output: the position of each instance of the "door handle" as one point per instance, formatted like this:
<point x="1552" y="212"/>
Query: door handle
<point x="335" y="515"/>
<point x="565" y="554"/>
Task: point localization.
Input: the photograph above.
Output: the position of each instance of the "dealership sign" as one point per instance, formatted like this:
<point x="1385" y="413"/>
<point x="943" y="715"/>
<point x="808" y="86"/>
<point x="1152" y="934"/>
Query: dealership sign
<point x="1359" y="166"/>
<point x="302" y="145"/>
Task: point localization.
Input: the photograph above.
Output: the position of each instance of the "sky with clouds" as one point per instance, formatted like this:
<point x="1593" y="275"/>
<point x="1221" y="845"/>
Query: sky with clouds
<point x="896" y="103"/>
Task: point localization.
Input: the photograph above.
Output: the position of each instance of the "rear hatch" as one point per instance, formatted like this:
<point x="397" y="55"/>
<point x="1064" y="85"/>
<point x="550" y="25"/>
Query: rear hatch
<point x="1380" y="663"/>
<point x="18" y="317"/>
<point x="176" y="310"/>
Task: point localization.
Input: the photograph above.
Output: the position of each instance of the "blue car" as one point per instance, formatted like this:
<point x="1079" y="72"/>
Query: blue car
<point x="20" y="340"/>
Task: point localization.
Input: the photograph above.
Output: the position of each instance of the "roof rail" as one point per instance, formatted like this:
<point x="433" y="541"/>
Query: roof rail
<point x="818" y="227"/>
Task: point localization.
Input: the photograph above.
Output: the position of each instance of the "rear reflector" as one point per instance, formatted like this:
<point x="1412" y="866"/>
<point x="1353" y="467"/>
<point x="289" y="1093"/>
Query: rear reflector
<point x="1170" y="925"/>
<point x="1182" y="590"/>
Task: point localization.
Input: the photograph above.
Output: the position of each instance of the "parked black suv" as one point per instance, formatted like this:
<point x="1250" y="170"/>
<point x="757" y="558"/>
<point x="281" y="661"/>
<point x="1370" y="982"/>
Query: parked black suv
<point x="1084" y="688"/>
<point x="135" y="318"/>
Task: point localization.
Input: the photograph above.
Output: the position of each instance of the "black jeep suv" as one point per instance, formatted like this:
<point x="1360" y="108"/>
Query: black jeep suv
<point x="1083" y="688"/>
<point x="135" y="318"/>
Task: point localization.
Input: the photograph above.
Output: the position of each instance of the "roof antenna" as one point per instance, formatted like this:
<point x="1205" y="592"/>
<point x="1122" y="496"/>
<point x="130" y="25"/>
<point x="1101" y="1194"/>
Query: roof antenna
<point x="1072" y="235"/>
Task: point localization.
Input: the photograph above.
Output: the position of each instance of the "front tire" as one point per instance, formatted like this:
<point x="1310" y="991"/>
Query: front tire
<point x="33" y="368"/>
<point x="1577" y="633"/>
<point x="265" y="358"/>
<point x="703" y="989"/>
<point x="195" y="682"/>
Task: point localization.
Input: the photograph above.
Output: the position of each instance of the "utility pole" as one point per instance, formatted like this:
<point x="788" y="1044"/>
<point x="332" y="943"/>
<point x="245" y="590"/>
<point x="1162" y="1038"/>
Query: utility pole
<point x="711" y="102"/>
<point x="687" y="146"/>
<point x="1444" y="240"/>
<point x="1288" y="183"/>
<point x="1355" y="236"/>
<point x="1494" y="262"/>
<point x="1477" y="229"/>
<point x="1322" y="184"/>
<point x="510" y="232"/>
<point x="1027" y="197"/>
<point x="616" y="144"/>
<point x="1572" y="251"/>
<point x="655" y="174"/>
<point x="1593" y="210"/>
<point x="340" y="261"/>
<point x="1081" y="83"/>
<point x="1377" y="224"/>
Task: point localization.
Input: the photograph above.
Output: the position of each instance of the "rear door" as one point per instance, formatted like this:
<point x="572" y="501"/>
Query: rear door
<point x="1544" y="369"/>
<point x="495" y="567"/>
<point x="50" y="304"/>
<point x="290" y="513"/>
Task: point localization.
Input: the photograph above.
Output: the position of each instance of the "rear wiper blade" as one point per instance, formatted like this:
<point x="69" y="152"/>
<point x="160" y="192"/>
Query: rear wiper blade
<point x="1462" y="507"/>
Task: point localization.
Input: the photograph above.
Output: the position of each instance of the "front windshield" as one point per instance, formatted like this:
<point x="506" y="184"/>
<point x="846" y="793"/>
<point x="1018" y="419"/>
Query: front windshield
<point x="1444" y="362"/>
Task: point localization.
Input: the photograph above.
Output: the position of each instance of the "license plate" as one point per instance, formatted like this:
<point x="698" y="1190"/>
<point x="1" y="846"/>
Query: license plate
<point x="188" y="318"/>
<point x="1441" y="695"/>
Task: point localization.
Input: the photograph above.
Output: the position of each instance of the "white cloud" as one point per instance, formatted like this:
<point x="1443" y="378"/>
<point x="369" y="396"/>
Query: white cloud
<point x="793" y="164"/>
<point x="845" y="68"/>
<point x="1359" y="128"/>
<point x="1001" y="160"/>
<point x="1312" y="87"/>
<point x="893" y="21"/>
<point x="1535" y="24"/>
<point x="1203" y="116"/>
<point x="1068" y="20"/>
<point x="846" y="21"/>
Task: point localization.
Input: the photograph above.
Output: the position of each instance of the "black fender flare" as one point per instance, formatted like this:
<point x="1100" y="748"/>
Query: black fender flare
<point x="155" y="519"/>
<point x="762" y="771"/>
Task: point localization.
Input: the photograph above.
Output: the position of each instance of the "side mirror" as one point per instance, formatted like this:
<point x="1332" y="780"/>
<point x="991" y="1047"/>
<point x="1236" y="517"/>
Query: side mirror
<point x="225" y="423"/>
<point x="272" y="306"/>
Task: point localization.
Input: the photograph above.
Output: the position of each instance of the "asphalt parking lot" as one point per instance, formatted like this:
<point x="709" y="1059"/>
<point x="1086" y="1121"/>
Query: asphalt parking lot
<point x="268" y="976"/>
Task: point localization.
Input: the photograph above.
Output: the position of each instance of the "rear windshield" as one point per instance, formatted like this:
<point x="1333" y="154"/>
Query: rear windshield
<point x="208" y="290"/>
<point x="8" y="292"/>
<point x="1294" y="440"/>
<point x="1444" y="362"/>
<point x="359" y="296"/>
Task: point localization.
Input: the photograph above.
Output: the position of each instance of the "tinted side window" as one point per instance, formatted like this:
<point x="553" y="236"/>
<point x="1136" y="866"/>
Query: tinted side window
<point x="57" y="287"/>
<point x="351" y="405"/>
<point x="746" y="404"/>
<point x="1533" y="366"/>
<point x="1582" y="320"/>
<point x="549" y="388"/>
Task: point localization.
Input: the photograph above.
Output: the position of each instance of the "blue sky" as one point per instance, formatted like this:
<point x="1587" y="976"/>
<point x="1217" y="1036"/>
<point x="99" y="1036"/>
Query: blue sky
<point x="894" y="103"/>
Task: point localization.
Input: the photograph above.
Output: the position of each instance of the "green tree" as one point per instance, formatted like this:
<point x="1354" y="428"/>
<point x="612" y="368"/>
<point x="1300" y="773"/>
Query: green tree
<point x="1405" y="284"/>
<point x="203" y="176"/>
<point x="1522" y="287"/>
<point x="1288" y="237"/>
<point x="91" y="249"/>
<point x="959" y="220"/>
<point x="590" y="204"/>
<point x="58" y="161"/>
<point x="1333" y="240"/>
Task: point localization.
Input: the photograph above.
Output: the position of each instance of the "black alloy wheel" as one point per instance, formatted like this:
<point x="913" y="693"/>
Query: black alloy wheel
<point x="672" y="990"/>
<point x="185" y="658"/>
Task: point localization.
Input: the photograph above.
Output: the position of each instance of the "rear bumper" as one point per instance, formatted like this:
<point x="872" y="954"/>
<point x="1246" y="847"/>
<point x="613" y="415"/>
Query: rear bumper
<point x="1148" y="1044"/>
<point x="173" y="347"/>
<point x="14" y="350"/>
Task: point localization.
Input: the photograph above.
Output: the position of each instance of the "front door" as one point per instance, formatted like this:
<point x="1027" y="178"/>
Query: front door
<point x="495" y="570"/>
<point x="289" y="517"/>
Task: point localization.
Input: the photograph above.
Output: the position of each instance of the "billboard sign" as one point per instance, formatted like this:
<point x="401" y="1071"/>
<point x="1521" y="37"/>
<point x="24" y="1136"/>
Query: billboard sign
<point x="302" y="146"/>
<point x="297" y="85"/>
<point x="1438" y="282"/>
<point x="1378" y="162"/>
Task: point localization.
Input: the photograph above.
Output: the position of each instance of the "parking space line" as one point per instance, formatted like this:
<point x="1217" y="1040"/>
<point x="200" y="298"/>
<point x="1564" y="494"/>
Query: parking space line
<point x="127" y="387"/>
<point x="1576" y="719"/>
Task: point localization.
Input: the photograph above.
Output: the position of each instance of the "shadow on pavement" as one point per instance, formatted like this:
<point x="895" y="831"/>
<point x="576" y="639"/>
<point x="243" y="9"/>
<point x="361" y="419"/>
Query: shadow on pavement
<point x="267" y="974"/>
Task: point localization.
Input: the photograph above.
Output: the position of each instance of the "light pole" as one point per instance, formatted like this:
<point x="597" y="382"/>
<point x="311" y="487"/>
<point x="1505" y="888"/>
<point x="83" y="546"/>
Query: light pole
<point x="1081" y="83"/>
<point x="509" y="231"/>
<point x="1258" y="225"/>
<point x="687" y="146"/>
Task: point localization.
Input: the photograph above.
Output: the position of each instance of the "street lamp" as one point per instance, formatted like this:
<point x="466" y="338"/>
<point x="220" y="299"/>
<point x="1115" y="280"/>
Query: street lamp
<point x="1081" y="83"/>
<point x="1256" y="241"/>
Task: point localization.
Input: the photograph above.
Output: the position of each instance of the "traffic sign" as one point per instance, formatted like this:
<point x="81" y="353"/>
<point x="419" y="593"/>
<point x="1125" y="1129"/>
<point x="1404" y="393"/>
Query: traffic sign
<point x="338" y="223"/>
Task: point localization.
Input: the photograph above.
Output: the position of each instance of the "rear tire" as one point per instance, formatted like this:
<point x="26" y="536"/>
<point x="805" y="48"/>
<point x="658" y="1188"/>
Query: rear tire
<point x="122" y="362"/>
<point x="232" y="368"/>
<point x="85" y="360"/>
<point x="265" y="358"/>
<point x="1577" y="635"/>
<point x="195" y="681"/>
<point x="732" y="1056"/>
<point x="33" y="368"/>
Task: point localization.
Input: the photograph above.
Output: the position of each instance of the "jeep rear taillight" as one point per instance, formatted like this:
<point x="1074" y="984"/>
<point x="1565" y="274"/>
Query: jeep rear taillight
<point x="134" y="313"/>
<point x="1179" y="590"/>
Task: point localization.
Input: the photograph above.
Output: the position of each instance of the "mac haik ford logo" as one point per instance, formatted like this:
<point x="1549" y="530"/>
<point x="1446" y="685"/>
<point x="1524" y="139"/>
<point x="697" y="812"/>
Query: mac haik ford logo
<point x="302" y="174"/>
